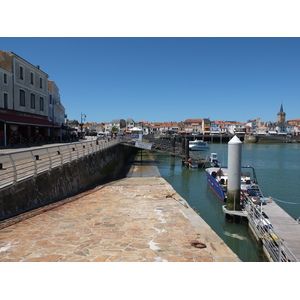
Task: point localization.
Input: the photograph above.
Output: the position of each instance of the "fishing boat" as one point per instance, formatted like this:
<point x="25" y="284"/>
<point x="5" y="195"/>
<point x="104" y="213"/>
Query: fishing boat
<point x="217" y="179"/>
<point x="198" y="145"/>
<point x="212" y="161"/>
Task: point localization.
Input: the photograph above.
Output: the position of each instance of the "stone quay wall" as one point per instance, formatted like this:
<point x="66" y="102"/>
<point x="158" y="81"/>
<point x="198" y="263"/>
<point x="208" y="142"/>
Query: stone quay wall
<point x="65" y="181"/>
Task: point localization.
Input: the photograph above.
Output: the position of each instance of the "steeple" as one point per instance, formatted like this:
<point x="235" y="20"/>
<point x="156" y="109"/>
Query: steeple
<point x="281" y="108"/>
<point x="281" y="115"/>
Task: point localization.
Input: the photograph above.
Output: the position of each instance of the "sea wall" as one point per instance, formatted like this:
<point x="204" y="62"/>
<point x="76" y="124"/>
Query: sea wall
<point x="250" y="139"/>
<point x="65" y="181"/>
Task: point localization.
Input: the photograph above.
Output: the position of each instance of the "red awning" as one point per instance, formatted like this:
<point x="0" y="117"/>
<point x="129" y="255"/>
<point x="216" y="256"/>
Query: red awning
<point x="20" y="120"/>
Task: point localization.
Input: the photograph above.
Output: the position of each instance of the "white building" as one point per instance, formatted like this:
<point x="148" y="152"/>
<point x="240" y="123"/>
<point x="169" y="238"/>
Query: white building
<point x="56" y="110"/>
<point x="215" y="128"/>
<point x="24" y="106"/>
<point x="129" y="124"/>
<point x="118" y="124"/>
<point x="237" y="128"/>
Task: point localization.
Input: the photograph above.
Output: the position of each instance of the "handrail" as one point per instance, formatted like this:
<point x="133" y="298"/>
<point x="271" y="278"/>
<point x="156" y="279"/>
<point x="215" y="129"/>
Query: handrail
<point x="277" y="249"/>
<point x="23" y="165"/>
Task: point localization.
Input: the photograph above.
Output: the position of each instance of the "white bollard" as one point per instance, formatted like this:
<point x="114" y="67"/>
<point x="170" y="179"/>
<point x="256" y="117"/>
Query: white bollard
<point x="234" y="173"/>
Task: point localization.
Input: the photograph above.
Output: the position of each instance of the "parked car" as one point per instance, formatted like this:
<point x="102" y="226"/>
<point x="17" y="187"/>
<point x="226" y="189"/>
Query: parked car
<point x="101" y="136"/>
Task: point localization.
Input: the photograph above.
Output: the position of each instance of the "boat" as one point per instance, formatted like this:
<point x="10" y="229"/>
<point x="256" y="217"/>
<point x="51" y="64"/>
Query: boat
<point x="212" y="161"/>
<point x="217" y="179"/>
<point x="198" y="145"/>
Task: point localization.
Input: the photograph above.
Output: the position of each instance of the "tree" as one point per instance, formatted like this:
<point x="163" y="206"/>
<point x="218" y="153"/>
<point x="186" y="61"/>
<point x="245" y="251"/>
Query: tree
<point x="114" y="129"/>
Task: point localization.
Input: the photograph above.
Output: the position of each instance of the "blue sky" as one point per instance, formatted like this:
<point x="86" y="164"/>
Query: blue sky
<point x="169" y="79"/>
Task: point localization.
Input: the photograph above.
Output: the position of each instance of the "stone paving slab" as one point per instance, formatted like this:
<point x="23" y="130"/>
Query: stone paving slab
<point x="137" y="219"/>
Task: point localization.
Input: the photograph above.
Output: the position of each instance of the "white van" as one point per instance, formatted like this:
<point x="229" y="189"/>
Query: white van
<point x="101" y="136"/>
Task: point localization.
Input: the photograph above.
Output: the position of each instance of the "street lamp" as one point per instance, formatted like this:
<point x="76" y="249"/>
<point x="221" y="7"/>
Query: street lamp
<point x="83" y="117"/>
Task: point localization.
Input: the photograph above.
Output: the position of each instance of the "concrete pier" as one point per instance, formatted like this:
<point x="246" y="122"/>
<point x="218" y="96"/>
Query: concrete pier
<point x="140" y="218"/>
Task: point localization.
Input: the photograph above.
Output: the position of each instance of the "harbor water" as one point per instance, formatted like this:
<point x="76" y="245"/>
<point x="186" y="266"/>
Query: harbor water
<point x="277" y="168"/>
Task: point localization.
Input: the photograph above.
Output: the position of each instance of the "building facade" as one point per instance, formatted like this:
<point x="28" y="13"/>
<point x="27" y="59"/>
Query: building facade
<point x="129" y="124"/>
<point x="24" y="101"/>
<point x="56" y="111"/>
<point x="215" y="127"/>
<point x="296" y="125"/>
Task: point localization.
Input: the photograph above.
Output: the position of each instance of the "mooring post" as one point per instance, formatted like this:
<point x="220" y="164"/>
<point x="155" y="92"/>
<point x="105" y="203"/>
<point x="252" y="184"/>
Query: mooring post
<point x="173" y="140"/>
<point x="234" y="173"/>
<point x="187" y="149"/>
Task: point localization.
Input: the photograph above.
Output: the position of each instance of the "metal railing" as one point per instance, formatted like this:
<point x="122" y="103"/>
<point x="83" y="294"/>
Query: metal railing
<point x="274" y="245"/>
<point x="27" y="164"/>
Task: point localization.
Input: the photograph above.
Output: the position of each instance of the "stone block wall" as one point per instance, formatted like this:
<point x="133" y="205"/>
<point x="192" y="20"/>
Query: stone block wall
<point x="65" y="181"/>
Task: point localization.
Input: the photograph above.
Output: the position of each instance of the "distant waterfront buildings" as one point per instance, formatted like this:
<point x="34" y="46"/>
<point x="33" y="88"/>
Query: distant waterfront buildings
<point x="296" y="125"/>
<point x="207" y="127"/>
<point x="281" y="127"/>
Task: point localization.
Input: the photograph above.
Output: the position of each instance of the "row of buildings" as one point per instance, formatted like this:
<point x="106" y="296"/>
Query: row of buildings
<point x="30" y="105"/>
<point x="202" y="126"/>
<point x="31" y="111"/>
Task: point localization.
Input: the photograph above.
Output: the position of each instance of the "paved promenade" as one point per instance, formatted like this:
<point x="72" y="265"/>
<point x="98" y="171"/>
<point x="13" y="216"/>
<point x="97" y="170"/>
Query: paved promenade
<point x="136" y="219"/>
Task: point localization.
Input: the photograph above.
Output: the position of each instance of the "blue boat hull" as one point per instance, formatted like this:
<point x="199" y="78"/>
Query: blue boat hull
<point x="215" y="186"/>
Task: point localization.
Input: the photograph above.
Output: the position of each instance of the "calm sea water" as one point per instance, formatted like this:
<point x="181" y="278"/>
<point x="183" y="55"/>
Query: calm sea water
<point x="277" y="167"/>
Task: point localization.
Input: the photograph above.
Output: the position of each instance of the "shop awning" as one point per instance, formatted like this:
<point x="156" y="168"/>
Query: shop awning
<point x="20" y="120"/>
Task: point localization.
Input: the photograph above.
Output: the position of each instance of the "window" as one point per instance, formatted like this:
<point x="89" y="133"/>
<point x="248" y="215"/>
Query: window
<point x="5" y="78"/>
<point x="31" y="78"/>
<point x="41" y="82"/>
<point x="22" y="98"/>
<point x="5" y="100"/>
<point x="32" y="101"/>
<point x="21" y="73"/>
<point x="41" y="103"/>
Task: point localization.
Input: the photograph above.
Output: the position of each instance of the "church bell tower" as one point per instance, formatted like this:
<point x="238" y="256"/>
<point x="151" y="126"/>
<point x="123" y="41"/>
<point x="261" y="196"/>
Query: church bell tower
<point x="281" y="115"/>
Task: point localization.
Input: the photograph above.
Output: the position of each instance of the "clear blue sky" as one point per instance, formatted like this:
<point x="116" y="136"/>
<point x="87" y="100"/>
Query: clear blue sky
<point x="169" y="79"/>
